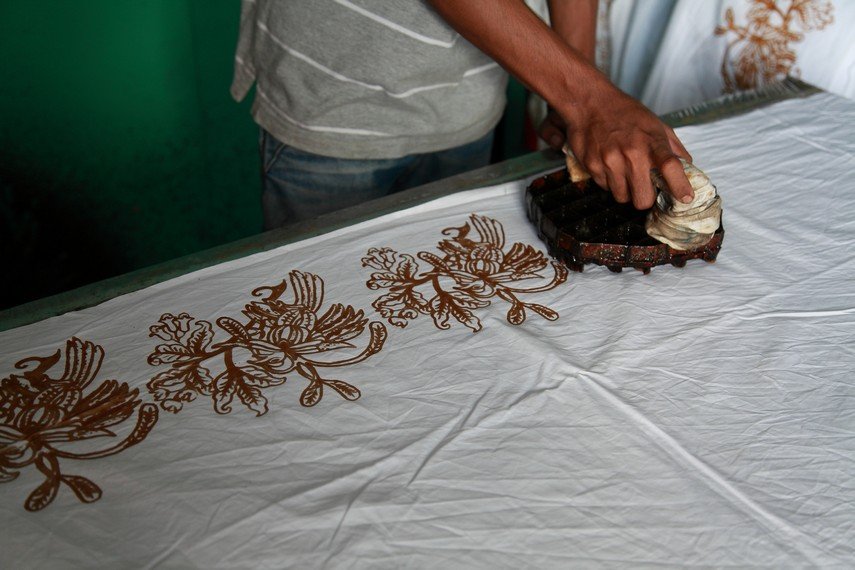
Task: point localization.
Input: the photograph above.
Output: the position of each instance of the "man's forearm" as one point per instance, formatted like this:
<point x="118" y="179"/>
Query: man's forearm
<point x="539" y="57"/>
<point x="618" y="140"/>
<point x="575" y="21"/>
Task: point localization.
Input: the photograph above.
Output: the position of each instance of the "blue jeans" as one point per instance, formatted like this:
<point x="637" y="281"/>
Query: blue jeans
<point x="299" y="185"/>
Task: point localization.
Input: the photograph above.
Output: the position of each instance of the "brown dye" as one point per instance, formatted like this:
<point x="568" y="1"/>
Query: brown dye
<point x="472" y="268"/>
<point x="42" y="418"/>
<point x="277" y="338"/>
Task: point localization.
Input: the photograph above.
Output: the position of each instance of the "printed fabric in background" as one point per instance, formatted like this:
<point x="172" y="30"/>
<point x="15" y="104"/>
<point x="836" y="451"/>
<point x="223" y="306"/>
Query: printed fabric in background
<point x="673" y="54"/>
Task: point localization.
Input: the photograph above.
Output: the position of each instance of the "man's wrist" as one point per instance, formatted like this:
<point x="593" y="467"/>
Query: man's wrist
<point x="583" y="90"/>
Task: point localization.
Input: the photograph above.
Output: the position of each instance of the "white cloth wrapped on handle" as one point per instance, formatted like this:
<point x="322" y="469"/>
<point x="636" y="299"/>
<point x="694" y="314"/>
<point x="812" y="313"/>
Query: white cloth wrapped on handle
<point x="681" y="226"/>
<point x="685" y="226"/>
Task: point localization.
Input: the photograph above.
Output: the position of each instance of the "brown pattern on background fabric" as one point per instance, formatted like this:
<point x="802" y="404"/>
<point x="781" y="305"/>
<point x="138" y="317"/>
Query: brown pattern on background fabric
<point x="40" y="416"/>
<point x="277" y="338"/>
<point x="471" y="271"/>
<point x="763" y="50"/>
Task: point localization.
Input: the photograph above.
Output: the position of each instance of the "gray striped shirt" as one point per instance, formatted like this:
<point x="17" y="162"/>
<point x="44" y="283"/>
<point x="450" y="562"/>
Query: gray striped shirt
<point x="364" y="78"/>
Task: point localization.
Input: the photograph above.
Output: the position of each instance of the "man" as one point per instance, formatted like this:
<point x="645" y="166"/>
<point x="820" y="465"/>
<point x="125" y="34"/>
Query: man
<point x="359" y="98"/>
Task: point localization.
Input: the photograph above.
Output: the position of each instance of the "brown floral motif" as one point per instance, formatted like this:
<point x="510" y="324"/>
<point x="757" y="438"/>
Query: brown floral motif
<point x="278" y="338"/>
<point x="41" y="416"/>
<point x="763" y="46"/>
<point x="471" y="271"/>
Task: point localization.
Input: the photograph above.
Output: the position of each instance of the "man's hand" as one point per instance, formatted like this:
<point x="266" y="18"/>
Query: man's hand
<point x="615" y="137"/>
<point x="619" y="141"/>
<point x="619" y="151"/>
<point x="553" y="129"/>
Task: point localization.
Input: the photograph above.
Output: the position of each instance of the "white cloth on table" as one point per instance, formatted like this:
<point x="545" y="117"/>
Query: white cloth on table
<point x="700" y="416"/>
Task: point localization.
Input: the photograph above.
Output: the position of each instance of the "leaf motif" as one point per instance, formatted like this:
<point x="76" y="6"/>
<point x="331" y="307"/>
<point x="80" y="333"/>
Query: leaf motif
<point x="198" y="340"/>
<point x="390" y="301"/>
<point x="433" y="260"/>
<point x="166" y="380"/>
<point x="416" y="300"/>
<point x="234" y="328"/>
<point x="223" y="393"/>
<point x="253" y="399"/>
<point x="440" y="310"/>
<point x="146" y="419"/>
<point x="327" y="346"/>
<point x="378" y="337"/>
<point x="466" y="318"/>
<point x="466" y="301"/>
<point x="312" y="394"/>
<point x="43" y="495"/>
<point x="91" y="433"/>
<point x="407" y="267"/>
<point x="173" y="405"/>
<point x="561" y="272"/>
<point x="544" y="312"/>
<point x="400" y="307"/>
<point x="166" y="384"/>
<point x="382" y="280"/>
<point x="347" y="391"/>
<point x="169" y="353"/>
<point x="86" y="490"/>
<point x="256" y="376"/>
<point x="516" y="314"/>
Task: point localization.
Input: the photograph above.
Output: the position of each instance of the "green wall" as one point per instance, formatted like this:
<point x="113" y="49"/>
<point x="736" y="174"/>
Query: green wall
<point x="120" y="146"/>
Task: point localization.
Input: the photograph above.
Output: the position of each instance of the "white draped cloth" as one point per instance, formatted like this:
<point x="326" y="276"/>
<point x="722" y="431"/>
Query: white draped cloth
<point x="700" y="416"/>
<point x="667" y="52"/>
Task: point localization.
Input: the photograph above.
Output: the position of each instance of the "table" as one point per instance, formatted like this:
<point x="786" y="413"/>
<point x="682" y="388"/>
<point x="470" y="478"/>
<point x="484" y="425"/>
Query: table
<point x="416" y="384"/>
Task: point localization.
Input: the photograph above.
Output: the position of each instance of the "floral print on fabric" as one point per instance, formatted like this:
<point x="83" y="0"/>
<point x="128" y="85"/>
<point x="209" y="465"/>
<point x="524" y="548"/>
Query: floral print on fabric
<point x="762" y="51"/>
<point x="278" y="337"/>
<point x="472" y="268"/>
<point x="46" y="418"/>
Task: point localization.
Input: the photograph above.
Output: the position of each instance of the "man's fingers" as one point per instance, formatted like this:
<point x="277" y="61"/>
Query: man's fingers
<point x="615" y="168"/>
<point x="643" y="194"/>
<point x="679" y="186"/>
<point x="552" y="132"/>
<point x="618" y="188"/>
<point x="677" y="146"/>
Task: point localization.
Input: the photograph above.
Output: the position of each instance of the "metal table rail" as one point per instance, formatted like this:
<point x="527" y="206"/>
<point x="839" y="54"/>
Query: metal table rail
<point x="514" y="169"/>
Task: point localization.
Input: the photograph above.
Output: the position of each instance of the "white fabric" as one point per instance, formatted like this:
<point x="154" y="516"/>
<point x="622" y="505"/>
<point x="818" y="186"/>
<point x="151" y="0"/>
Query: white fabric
<point x="666" y="53"/>
<point x="700" y="416"/>
<point x="636" y="28"/>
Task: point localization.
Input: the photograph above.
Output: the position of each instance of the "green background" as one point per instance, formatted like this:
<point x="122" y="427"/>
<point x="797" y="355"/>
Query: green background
<point x="120" y="146"/>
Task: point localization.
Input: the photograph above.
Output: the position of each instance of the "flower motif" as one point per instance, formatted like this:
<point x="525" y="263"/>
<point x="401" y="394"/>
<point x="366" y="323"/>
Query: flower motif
<point x="41" y="416"/>
<point x="764" y="52"/>
<point x="279" y="337"/>
<point x="472" y="270"/>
